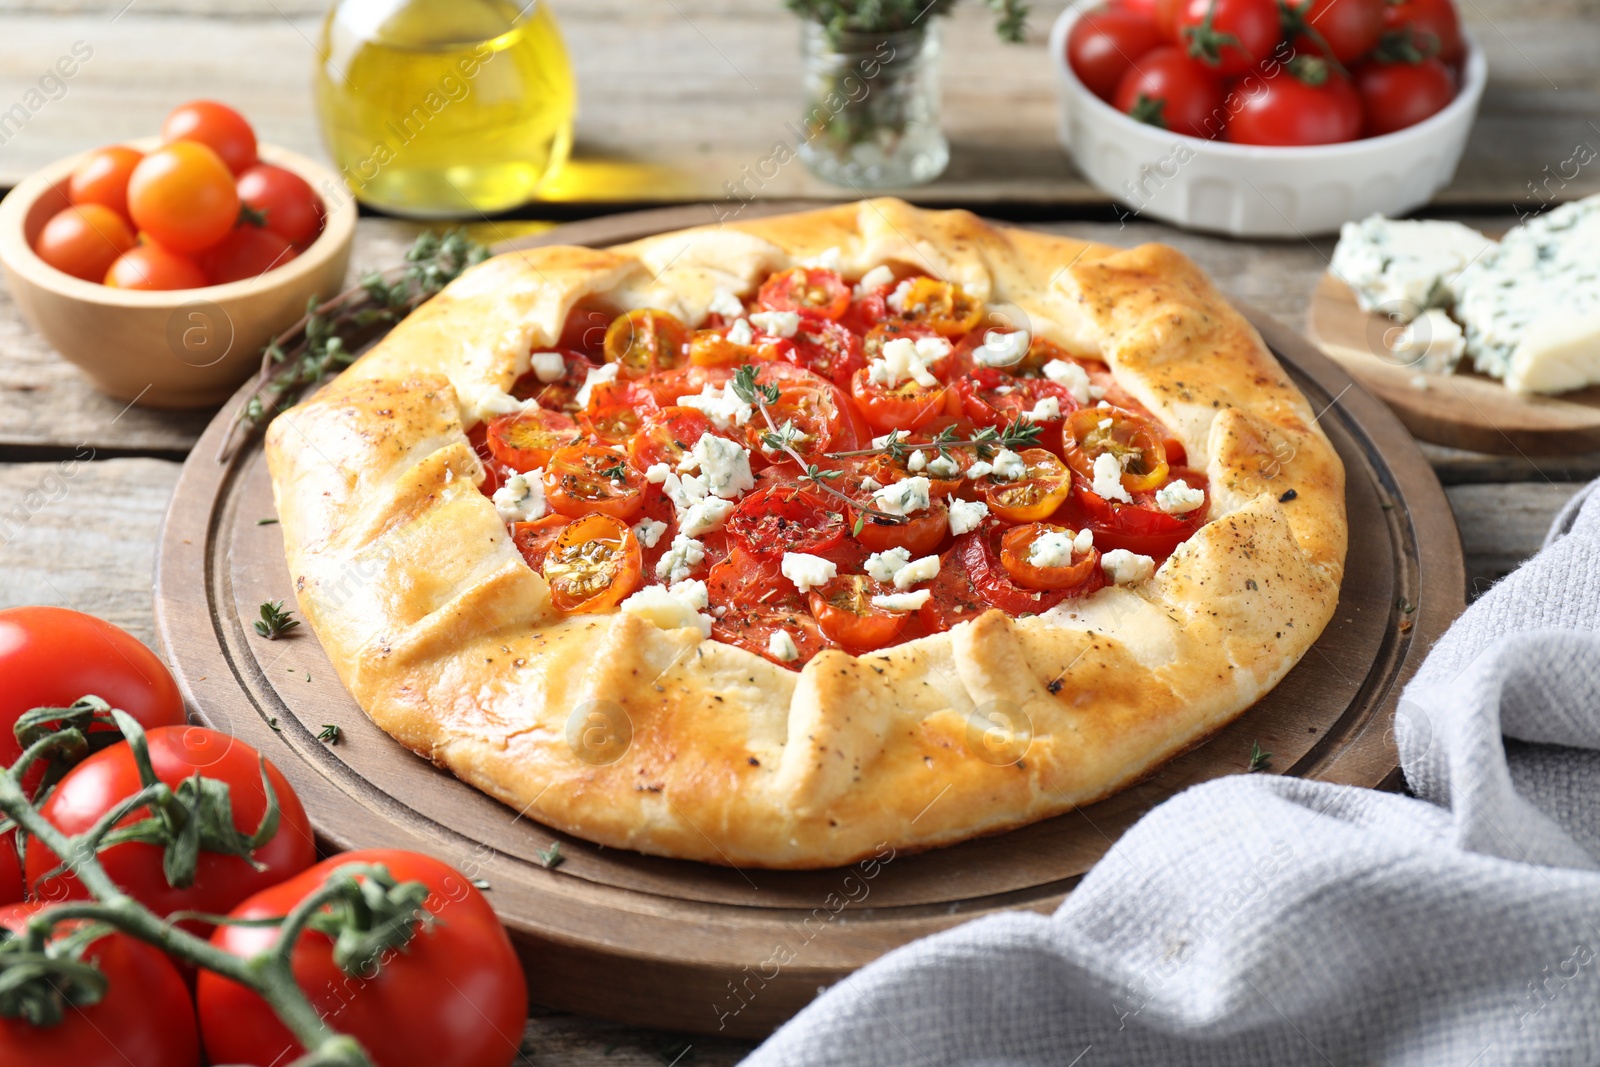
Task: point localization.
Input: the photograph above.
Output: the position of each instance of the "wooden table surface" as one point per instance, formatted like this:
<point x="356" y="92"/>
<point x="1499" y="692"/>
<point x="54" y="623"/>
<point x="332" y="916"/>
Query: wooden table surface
<point x="677" y="96"/>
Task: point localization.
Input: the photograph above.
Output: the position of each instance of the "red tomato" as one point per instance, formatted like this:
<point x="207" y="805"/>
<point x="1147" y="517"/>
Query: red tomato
<point x="907" y="406"/>
<point x="103" y="780"/>
<point x="975" y="553"/>
<point x="1228" y="36"/>
<point x="183" y="196"/>
<point x="666" y="436"/>
<point x="585" y="330"/>
<point x="815" y="406"/>
<point x="770" y="522"/>
<point x="102" y="178"/>
<point x="921" y="534"/>
<point x="1081" y="574"/>
<point x="760" y="601"/>
<point x="453" y="997"/>
<point x="1139" y="527"/>
<point x="1432" y="24"/>
<point x="1034" y="496"/>
<point x="11" y="885"/>
<point x="145" y="1018"/>
<point x="49" y="657"/>
<point x="1104" y="45"/>
<point x="846" y="615"/>
<point x="84" y="241"/>
<point x="247" y="252"/>
<point x="1169" y="90"/>
<point x="561" y="393"/>
<point x="1397" y="95"/>
<point x="827" y="348"/>
<point x="646" y="340"/>
<point x="584" y="480"/>
<point x="153" y="267"/>
<point x="1305" y="102"/>
<point x="218" y="127"/>
<point x="954" y="599"/>
<point x="820" y="292"/>
<point x="293" y="211"/>
<point x="1343" y="29"/>
<point x="535" y="539"/>
<point x="594" y="564"/>
<point x="525" y="440"/>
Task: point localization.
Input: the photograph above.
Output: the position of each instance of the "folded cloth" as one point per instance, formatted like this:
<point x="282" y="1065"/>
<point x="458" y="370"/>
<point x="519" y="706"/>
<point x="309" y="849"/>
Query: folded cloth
<point x="1276" y="921"/>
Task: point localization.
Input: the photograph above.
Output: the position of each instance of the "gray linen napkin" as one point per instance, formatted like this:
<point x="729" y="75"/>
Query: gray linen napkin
<point x="1274" y="921"/>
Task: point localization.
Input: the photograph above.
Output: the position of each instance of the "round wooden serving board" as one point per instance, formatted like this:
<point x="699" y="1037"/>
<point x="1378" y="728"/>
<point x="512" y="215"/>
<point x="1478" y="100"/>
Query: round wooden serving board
<point x="691" y="947"/>
<point x="1463" y="410"/>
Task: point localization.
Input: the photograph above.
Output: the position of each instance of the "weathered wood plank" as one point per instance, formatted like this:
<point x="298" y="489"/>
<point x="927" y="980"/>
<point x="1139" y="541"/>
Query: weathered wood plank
<point x="679" y="96"/>
<point x="1503" y="525"/>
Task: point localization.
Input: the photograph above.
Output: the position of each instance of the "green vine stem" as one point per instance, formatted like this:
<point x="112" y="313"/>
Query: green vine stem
<point x="359" y="905"/>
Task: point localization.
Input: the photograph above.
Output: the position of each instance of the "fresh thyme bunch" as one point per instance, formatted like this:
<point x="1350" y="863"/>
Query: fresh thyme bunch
<point x="893" y="16"/>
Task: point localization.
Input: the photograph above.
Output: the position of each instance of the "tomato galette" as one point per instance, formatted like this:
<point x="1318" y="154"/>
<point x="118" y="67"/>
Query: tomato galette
<point x="771" y="543"/>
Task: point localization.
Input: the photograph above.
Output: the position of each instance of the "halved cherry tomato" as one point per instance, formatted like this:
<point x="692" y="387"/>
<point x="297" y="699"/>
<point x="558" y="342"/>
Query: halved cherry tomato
<point x="921" y="534"/>
<point x="768" y="523"/>
<point x="954" y="598"/>
<point x="1140" y="527"/>
<point x="873" y="340"/>
<point x="907" y="406"/>
<point x="868" y="309"/>
<point x="629" y="394"/>
<point x="943" y="307"/>
<point x="975" y="554"/>
<point x="594" y="565"/>
<point x="614" y="424"/>
<point x="666" y="436"/>
<point x="646" y="340"/>
<point x="535" y="539"/>
<point x="1037" y="494"/>
<point x="758" y="601"/>
<point x="821" y="292"/>
<point x="1135" y="442"/>
<point x="582" y="480"/>
<point x="1016" y="546"/>
<point x="585" y="330"/>
<point x="825" y="347"/>
<point x="711" y="348"/>
<point x="668" y="386"/>
<point x="811" y="404"/>
<point x="560" y="393"/>
<point x="845" y="613"/>
<point x="992" y="398"/>
<point x="526" y="440"/>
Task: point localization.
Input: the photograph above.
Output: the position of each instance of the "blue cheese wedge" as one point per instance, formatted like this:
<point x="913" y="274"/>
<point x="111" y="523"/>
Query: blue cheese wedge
<point x="1402" y="267"/>
<point x="1432" y="343"/>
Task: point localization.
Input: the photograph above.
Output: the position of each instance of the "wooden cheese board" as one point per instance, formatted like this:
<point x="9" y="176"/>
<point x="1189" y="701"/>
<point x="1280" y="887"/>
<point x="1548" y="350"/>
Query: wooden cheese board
<point x="690" y="947"/>
<point x="1463" y="410"/>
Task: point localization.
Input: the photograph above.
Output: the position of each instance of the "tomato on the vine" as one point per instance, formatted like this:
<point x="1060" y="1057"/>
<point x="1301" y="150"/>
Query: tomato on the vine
<point x="807" y="289"/>
<point x="1104" y="45"/>
<point x="219" y="881"/>
<point x="525" y="440"/>
<point x="846" y="615"/>
<point x="1397" y="95"/>
<point x="593" y="565"/>
<point x="1170" y="91"/>
<point x="1228" y="36"/>
<point x="145" y="1018"/>
<point x="454" y="996"/>
<point x="1305" y="102"/>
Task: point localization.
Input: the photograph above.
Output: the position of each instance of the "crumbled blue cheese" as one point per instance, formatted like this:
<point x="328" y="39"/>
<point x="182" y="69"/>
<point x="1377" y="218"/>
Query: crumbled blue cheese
<point x="873" y="280"/>
<point x="724" y="464"/>
<point x="596" y="376"/>
<point x="649" y="532"/>
<point x="827" y="259"/>
<point x="782" y="647"/>
<point x="1124" y="567"/>
<point x="1084" y="541"/>
<point x="776" y="323"/>
<point x="662" y="608"/>
<point x="482" y="403"/>
<point x="1072" y="376"/>
<point x="722" y="406"/>
<point x="917" y="461"/>
<point x="885" y="565"/>
<point x="902" y="601"/>
<point x="680" y="560"/>
<point x="521" y="498"/>
<point x="1002" y="349"/>
<point x="1046" y="409"/>
<point x="967" y="515"/>
<point x="887" y="439"/>
<point x="726" y="304"/>
<point x="920" y="570"/>
<point x="740" y="332"/>
<point x="1404" y="267"/>
<point x="1179" y="498"/>
<point x="684" y="490"/>
<point x="657" y="473"/>
<point x="1053" y="548"/>
<point x="705" y="516"/>
<point x="903" y="497"/>
<point x="692" y="591"/>
<point x="1432" y="343"/>
<point x="943" y="467"/>
<point x="547" y="366"/>
<point x="1008" y="466"/>
<point x="897" y="299"/>
<point x="984" y="468"/>
<point x="807" y="571"/>
<point x="905" y="357"/>
<point x="869" y="484"/>
<point x="1108" y="479"/>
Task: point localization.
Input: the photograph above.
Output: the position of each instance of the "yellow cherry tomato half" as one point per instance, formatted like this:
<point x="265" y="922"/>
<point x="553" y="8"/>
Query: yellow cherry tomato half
<point x="942" y="306"/>
<point x="594" y="565"/>
<point x="1036" y="495"/>
<point x="646" y="340"/>
<point x="1135" y="442"/>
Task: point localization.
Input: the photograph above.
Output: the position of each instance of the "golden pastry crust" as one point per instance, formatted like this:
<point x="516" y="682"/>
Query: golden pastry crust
<point x="658" y="740"/>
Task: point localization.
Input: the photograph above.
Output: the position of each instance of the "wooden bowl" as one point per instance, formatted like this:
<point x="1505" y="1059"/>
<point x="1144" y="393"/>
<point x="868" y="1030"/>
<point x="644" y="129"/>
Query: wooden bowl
<point x="184" y="348"/>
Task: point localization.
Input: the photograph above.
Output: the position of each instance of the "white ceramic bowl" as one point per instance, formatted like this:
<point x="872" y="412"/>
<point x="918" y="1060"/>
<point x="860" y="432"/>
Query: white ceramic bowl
<point x="1253" y="191"/>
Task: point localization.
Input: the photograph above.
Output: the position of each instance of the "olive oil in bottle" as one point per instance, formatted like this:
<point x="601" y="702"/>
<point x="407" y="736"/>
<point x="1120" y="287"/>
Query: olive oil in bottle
<point x="435" y="108"/>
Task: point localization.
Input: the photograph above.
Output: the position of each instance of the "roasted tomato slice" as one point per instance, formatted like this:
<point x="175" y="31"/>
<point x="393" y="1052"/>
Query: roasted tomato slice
<point x="593" y="565"/>
<point x="873" y="340"/>
<point x="825" y="347"/>
<point x="943" y="307"/>
<point x="770" y="522"/>
<point x="1035" y="496"/>
<point x="668" y="386"/>
<point x="1078" y="571"/>
<point x="614" y="424"/>
<point x="525" y="440"/>
<point x="645" y="341"/>
<point x="712" y="348"/>
<point x="558" y="393"/>
<point x="585" y="330"/>
<point x="585" y="479"/>
<point x="954" y="598"/>
<point x="814" y="406"/>
<point x="1142" y="526"/>
<point x="844" y="611"/>
<point x="666" y="435"/>
<point x="975" y="554"/>
<point x="907" y="406"/>
<point x="1137" y="443"/>
<point x="535" y="539"/>
<point x="921" y="534"/>
<point x="756" y="601"/>
<point x="992" y="398"/>
<point x="821" y="292"/>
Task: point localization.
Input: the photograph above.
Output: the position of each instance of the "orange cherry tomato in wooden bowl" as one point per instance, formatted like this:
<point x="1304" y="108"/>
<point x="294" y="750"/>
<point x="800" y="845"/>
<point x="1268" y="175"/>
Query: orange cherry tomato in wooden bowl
<point x="183" y="196"/>
<point x="594" y="565"/>
<point x="84" y="241"/>
<point x="102" y="178"/>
